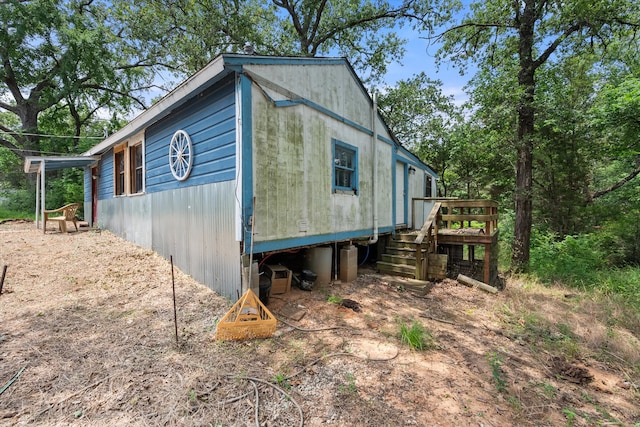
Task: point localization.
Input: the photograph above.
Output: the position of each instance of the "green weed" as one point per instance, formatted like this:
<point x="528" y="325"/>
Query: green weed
<point x="334" y="299"/>
<point x="548" y="390"/>
<point x="495" y="361"/>
<point x="415" y="336"/>
<point x="13" y="214"/>
<point x="571" y="417"/>
<point x="282" y="380"/>
<point x="350" y="386"/>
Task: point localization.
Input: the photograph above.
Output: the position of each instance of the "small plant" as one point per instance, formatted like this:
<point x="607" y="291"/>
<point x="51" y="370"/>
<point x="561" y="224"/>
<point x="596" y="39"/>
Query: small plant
<point x="350" y="387"/>
<point x="571" y="416"/>
<point x="282" y="381"/>
<point x="495" y="361"/>
<point x="515" y="403"/>
<point x="548" y="390"/>
<point x="415" y="336"/>
<point x="335" y="299"/>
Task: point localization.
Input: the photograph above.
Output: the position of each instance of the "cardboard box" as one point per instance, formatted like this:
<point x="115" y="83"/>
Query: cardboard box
<point x="280" y="278"/>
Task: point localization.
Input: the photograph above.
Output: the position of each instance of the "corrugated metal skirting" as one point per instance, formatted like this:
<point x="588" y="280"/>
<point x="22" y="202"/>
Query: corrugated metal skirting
<point x="194" y="224"/>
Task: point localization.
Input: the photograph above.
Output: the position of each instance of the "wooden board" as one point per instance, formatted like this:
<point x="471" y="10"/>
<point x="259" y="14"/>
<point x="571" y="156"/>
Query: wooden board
<point x="437" y="266"/>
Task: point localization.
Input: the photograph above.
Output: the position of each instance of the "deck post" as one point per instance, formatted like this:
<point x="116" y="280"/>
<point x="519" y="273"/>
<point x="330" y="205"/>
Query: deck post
<point x="487" y="263"/>
<point x="418" y="274"/>
<point x="42" y="193"/>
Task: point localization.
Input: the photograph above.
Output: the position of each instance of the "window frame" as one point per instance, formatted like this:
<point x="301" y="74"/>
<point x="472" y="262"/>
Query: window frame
<point x="119" y="170"/>
<point x="135" y="168"/>
<point x="341" y="146"/>
<point x="126" y="169"/>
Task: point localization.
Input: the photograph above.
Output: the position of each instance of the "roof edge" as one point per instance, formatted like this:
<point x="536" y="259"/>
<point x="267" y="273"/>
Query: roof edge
<point x="165" y="105"/>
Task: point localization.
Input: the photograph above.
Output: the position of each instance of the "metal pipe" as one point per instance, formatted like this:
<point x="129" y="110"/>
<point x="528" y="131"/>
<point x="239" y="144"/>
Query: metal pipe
<point x="175" y="311"/>
<point x="374" y="140"/>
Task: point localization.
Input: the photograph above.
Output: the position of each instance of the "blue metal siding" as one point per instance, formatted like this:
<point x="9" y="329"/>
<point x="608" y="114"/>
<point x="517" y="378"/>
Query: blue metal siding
<point x="87" y="184"/>
<point x="209" y="119"/>
<point x="105" y="180"/>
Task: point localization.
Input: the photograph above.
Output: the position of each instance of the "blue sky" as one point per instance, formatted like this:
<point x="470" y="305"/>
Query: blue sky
<point x="420" y="56"/>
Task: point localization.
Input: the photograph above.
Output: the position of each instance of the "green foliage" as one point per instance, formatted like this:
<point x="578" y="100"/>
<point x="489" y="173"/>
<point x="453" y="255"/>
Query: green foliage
<point x="18" y="201"/>
<point x="531" y="95"/>
<point x="571" y="417"/>
<point x="67" y="188"/>
<point x="587" y="261"/>
<point x="11" y="214"/>
<point x="416" y="336"/>
<point x="536" y="331"/>
<point x="334" y="299"/>
<point x="505" y="239"/>
<point x="282" y="380"/>
<point x="363" y="30"/>
<point x="62" y="63"/>
<point x="495" y="362"/>
<point x="570" y="260"/>
<point x="350" y="386"/>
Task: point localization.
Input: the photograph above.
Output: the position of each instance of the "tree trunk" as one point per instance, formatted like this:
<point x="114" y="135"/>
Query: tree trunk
<point x="29" y="120"/>
<point x="524" y="141"/>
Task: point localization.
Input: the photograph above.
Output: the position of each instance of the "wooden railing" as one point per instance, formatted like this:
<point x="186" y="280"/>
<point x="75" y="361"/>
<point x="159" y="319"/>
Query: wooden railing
<point x="430" y="231"/>
<point x="458" y="213"/>
<point x="457" y="219"/>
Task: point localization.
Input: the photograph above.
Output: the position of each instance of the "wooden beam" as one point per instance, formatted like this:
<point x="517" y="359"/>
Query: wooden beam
<point x="473" y="283"/>
<point x="487" y="263"/>
<point x="428" y="223"/>
<point x="469" y="217"/>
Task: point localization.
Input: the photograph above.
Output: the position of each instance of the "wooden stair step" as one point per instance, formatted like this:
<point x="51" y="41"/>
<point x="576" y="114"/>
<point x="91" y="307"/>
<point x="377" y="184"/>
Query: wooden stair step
<point x="402" y="251"/>
<point x="396" y="269"/>
<point x="399" y="259"/>
<point x="405" y="237"/>
<point x="399" y="244"/>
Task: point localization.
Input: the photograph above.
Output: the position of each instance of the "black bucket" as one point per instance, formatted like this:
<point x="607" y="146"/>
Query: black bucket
<point x="265" y="289"/>
<point x="307" y="280"/>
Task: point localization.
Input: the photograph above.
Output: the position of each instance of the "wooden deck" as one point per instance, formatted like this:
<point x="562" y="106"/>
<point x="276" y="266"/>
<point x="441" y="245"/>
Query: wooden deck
<point x="460" y="227"/>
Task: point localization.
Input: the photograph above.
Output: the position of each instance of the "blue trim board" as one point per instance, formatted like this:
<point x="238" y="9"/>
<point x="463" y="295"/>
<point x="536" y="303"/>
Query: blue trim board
<point x="405" y="196"/>
<point x="413" y="159"/>
<point x="393" y="188"/>
<point x="323" y="110"/>
<point x="296" y="242"/>
<point x="247" y="156"/>
<point x="240" y="59"/>
<point x="355" y="183"/>
<point x="395" y="158"/>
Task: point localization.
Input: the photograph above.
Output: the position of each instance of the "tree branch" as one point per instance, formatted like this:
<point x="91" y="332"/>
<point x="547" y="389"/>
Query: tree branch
<point x="11" y="132"/>
<point x="318" y="17"/>
<point x="397" y="13"/>
<point x="9" y="145"/>
<point x="117" y="92"/>
<point x="617" y="185"/>
<point x="554" y="45"/>
<point x="10" y="79"/>
<point x="9" y="107"/>
<point x="474" y="25"/>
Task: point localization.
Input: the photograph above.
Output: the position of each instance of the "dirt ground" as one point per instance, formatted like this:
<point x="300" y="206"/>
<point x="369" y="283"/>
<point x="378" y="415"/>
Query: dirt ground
<point x="87" y="338"/>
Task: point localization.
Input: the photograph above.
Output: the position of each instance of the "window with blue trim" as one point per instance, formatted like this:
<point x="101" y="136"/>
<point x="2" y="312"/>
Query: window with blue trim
<point x="345" y="167"/>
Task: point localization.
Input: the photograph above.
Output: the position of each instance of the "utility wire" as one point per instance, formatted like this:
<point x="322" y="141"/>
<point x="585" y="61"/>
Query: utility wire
<point x="53" y="136"/>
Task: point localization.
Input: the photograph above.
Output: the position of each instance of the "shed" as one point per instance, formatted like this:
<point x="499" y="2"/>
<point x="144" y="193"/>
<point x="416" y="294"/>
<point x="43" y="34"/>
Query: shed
<point x="254" y="154"/>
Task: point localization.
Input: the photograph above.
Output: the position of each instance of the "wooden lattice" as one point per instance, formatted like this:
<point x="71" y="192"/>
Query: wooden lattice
<point x="247" y="319"/>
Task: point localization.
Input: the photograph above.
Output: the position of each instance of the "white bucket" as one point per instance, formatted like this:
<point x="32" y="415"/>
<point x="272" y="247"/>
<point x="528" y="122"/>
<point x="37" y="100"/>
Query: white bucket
<point x="318" y="260"/>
